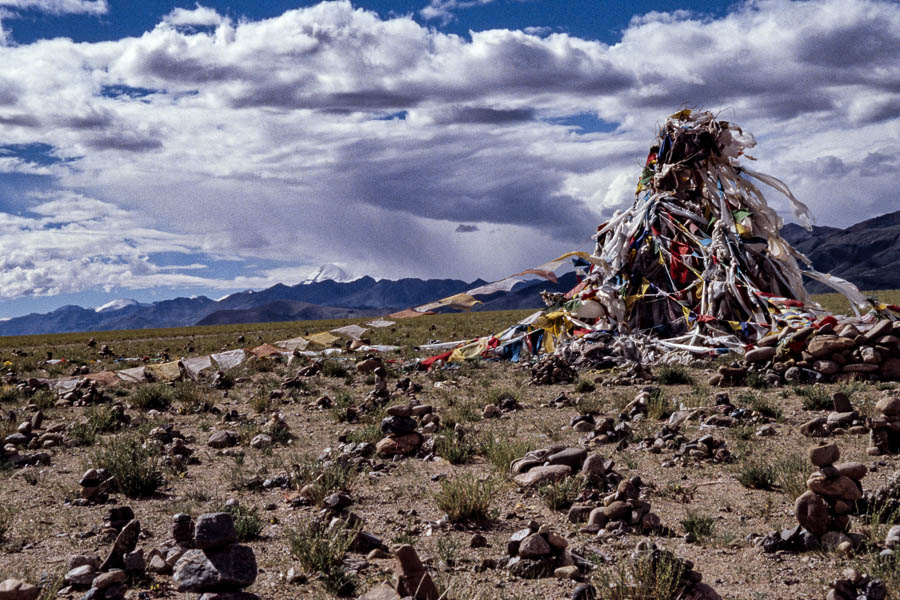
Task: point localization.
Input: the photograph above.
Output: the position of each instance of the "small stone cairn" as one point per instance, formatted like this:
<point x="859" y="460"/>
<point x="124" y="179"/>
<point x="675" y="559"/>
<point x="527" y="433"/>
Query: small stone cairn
<point x="843" y="418"/>
<point x="401" y="429"/>
<point x="824" y="509"/>
<point x="552" y="369"/>
<point x="217" y="567"/>
<point x="95" y="486"/>
<point x="854" y="585"/>
<point x="885" y="427"/>
<point x="537" y="551"/>
<point x="109" y="580"/>
<point x="623" y="511"/>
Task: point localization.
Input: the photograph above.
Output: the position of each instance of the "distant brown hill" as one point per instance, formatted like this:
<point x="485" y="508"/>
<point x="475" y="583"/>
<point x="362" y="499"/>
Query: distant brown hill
<point x="866" y="254"/>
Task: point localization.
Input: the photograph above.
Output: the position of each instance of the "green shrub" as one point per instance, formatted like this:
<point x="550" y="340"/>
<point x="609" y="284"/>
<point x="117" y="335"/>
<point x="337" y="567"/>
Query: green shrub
<point x="246" y="520"/>
<point x="659" y="407"/>
<point x="136" y="469"/>
<point x="329" y="476"/>
<point x="333" y="368"/>
<point x="757" y="474"/>
<point x="642" y="578"/>
<point x="320" y="550"/>
<point x="457" y="450"/>
<point x="673" y="375"/>
<point x="815" y="397"/>
<point x="699" y="525"/>
<point x="150" y="396"/>
<point x="585" y="386"/>
<point x="500" y="449"/>
<point x="791" y="472"/>
<point x="561" y="494"/>
<point x="466" y="498"/>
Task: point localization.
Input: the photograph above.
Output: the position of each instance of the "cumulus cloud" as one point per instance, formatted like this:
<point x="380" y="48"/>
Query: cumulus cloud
<point x="199" y="16"/>
<point x="331" y="134"/>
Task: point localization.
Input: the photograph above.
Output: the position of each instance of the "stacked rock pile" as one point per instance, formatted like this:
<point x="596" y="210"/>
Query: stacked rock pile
<point x="174" y="446"/>
<point x="95" y="486"/>
<point x="883" y="500"/>
<point x="108" y="580"/>
<point x="537" y="551"/>
<point x="854" y="585"/>
<point x="26" y="436"/>
<point x="505" y="404"/>
<point x="885" y="426"/>
<point x="623" y="511"/>
<point x="552" y="369"/>
<point x="162" y="560"/>
<point x="217" y="564"/>
<point x="380" y="393"/>
<point x="85" y="392"/>
<point x="705" y="447"/>
<point x="726" y="414"/>
<point x="829" y="353"/>
<point x="401" y="429"/>
<point x="842" y="419"/>
<point x="824" y="509"/>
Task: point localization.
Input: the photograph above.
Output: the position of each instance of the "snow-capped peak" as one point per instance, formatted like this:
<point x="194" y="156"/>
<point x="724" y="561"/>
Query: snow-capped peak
<point x="116" y="304"/>
<point x="328" y="272"/>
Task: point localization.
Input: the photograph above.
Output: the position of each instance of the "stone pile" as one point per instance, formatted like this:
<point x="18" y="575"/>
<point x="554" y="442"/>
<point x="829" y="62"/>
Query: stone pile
<point x="95" y="487"/>
<point x="854" y="585"/>
<point x="547" y="465"/>
<point x="505" y="404"/>
<point x="830" y="353"/>
<point x="824" y="509"/>
<point x="26" y="436"/>
<point x="623" y="511"/>
<point x="885" y="426"/>
<point x="403" y="429"/>
<point x="217" y="564"/>
<point x="108" y="580"/>
<point x="537" y="551"/>
<point x="551" y="369"/>
<point x="883" y="500"/>
<point x="706" y="447"/>
<point x="162" y="560"/>
<point x="173" y="445"/>
<point x="727" y="414"/>
<point x="411" y="579"/>
<point x="842" y="419"/>
<point x="380" y="393"/>
<point x="85" y="392"/>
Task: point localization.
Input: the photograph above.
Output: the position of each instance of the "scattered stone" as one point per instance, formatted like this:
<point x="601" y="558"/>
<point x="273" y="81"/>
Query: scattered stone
<point x="16" y="589"/>
<point x="223" y="439"/>
<point x="411" y="577"/>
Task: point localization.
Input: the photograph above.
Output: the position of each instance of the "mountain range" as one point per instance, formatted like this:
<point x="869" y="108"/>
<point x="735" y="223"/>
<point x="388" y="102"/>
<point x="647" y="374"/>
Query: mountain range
<point x="867" y="254"/>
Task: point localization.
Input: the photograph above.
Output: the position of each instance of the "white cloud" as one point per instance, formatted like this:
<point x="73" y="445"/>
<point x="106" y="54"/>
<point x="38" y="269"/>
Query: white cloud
<point x="89" y="7"/>
<point x="443" y="10"/>
<point x="201" y="15"/>
<point x="329" y="134"/>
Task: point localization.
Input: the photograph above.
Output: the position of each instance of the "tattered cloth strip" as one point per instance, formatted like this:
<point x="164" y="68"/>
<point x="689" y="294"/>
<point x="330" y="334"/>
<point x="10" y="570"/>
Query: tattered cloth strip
<point x="354" y="332"/>
<point x="380" y="323"/>
<point x="264" y="350"/>
<point x="65" y="385"/>
<point x="105" y="378"/>
<point x="504" y="285"/>
<point x="323" y="339"/>
<point x="378" y="348"/>
<point x="229" y="360"/>
<point x="458" y="301"/>
<point x="408" y="313"/>
<point x="297" y="343"/>
<point x="168" y="371"/>
<point x="134" y="375"/>
<point x="195" y="364"/>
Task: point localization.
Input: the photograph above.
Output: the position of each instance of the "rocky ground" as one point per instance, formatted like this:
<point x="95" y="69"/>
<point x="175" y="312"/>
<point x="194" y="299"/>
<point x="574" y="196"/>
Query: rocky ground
<point x="468" y="482"/>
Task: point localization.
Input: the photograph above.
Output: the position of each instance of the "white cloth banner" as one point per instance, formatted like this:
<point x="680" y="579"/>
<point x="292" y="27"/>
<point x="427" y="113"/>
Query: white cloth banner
<point x="195" y="364"/>
<point x="230" y="359"/>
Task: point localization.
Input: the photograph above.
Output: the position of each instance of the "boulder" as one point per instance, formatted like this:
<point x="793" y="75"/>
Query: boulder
<point x="214" y="530"/>
<point x="220" y="570"/>
<point x="811" y="511"/>
<point x="16" y="589"/>
<point x="824" y="454"/>
<point x="541" y="475"/>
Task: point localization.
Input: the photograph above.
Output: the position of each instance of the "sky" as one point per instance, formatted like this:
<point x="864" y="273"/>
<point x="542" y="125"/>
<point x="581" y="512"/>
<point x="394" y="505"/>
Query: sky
<point x="155" y="149"/>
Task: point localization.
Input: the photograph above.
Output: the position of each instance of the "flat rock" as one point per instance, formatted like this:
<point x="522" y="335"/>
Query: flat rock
<point x="125" y="542"/>
<point x="541" y="475"/>
<point x="381" y="592"/>
<point x="223" y="439"/>
<point x="840" y="487"/>
<point x="824" y="454"/>
<point x="761" y="354"/>
<point x="214" y="530"/>
<point x="16" y="589"/>
<point x="888" y="406"/>
<point x="574" y="457"/>
<point x="853" y="470"/>
<point x="534" y="546"/>
<point x="219" y="570"/>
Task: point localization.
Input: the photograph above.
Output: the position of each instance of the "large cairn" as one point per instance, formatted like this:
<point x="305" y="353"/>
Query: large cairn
<point x="885" y="427"/>
<point x="824" y="509"/>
